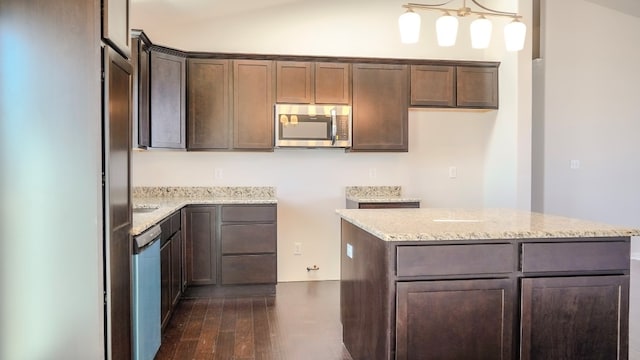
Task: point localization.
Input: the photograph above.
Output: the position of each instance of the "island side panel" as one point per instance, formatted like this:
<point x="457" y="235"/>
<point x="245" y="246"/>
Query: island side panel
<point x="366" y="300"/>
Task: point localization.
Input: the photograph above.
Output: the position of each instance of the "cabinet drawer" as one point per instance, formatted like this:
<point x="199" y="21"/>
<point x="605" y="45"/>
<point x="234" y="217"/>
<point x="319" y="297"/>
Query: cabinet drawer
<point x="249" y="269"/>
<point x="248" y="213"/>
<point x="249" y="238"/>
<point x="578" y="256"/>
<point x="429" y="260"/>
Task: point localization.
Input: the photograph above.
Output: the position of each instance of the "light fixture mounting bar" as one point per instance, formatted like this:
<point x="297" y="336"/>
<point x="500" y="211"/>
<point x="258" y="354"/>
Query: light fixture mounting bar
<point x="464" y="11"/>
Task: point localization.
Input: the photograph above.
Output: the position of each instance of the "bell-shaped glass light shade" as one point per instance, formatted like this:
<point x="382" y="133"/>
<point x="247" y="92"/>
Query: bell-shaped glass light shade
<point x="480" y="33"/>
<point x="514" y="35"/>
<point x="447" y="30"/>
<point x="409" y="24"/>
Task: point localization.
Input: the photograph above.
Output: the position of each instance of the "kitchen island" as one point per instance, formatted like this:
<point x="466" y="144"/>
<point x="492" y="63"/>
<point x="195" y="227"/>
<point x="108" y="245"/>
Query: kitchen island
<point x="482" y="284"/>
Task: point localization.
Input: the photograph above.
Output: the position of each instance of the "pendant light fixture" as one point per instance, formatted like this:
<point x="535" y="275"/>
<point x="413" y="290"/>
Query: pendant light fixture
<point x="409" y="24"/>
<point x="447" y="25"/>
<point x="447" y="30"/>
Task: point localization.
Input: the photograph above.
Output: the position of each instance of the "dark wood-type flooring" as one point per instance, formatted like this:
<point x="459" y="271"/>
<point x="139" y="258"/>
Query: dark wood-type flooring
<point x="301" y="321"/>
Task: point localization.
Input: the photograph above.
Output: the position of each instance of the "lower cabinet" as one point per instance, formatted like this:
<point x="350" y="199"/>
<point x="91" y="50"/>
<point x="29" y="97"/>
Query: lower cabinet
<point x="455" y="309"/>
<point x="575" y="317"/>
<point x="231" y="244"/>
<point x="171" y="265"/>
<point x="530" y="299"/>
<point x="201" y="251"/>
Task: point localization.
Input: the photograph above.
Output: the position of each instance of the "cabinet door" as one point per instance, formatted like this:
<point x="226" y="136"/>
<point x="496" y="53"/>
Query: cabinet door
<point x="200" y="237"/>
<point x="332" y="83"/>
<point x="253" y="102"/>
<point x="477" y="87"/>
<point x="294" y="82"/>
<point x="115" y="25"/>
<point x="167" y="101"/>
<point x="176" y="267"/>
<point x="464" y="319"/>
<point x="433" y="85"/>
<point x="575" y="318"/>
<point x="380" y="107"/>
<point x="143" y="82"/>
<point x="117" y="160"/>
<point x="209" y="106"/>
<point x="165" y="283"/>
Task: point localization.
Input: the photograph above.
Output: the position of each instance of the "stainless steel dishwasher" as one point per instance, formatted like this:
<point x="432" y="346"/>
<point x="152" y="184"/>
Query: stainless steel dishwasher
<point x="146" y="294"/>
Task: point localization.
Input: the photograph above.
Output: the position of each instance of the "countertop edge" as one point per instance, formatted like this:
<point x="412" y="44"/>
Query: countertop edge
<point x="167" y="206"/>
<point x="606" y="231"/>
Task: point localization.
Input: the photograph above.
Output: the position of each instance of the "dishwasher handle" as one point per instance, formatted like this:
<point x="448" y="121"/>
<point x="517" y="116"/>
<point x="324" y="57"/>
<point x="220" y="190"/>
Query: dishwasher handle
<point x="147" y="238"/>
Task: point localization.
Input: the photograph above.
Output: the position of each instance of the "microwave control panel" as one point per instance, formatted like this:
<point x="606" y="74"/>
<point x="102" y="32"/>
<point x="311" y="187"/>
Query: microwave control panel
<point x="342" y="127"/>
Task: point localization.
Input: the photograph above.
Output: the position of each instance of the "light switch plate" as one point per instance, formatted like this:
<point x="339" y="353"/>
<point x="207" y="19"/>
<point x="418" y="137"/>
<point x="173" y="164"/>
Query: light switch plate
<point x="349" y="251"/>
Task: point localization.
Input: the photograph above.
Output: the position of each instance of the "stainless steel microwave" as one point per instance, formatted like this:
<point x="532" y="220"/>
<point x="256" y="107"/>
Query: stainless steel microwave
<point x="311" y="126"/>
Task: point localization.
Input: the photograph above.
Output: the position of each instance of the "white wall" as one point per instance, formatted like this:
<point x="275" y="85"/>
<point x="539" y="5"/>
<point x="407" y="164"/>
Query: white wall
<point x="490" y="149"/>
<point x="591" y="112"/>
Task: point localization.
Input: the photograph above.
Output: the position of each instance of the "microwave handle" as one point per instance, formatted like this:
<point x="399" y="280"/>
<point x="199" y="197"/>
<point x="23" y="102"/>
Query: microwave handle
<point x="334" y="127"/>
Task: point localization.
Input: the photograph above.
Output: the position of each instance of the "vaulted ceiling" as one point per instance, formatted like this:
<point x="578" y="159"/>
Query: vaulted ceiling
<point x="631" y="7"/>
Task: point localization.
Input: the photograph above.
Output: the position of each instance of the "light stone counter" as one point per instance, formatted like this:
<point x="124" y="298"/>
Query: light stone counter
<point x="376" y="194"/>
<point x="429" y="224"/>
<point x="167" y="200"/>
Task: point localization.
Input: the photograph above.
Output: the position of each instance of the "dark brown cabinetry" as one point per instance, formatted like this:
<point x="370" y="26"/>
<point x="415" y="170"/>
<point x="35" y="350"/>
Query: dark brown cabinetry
<point x="208" y="103"/>
<point x="117" y="164"/>
<point x="454" y="310"/>
<point x="245" y="252"/>
<point x="167" y="98"/>
<point x="294" y="82"/>
<point x="454" y="86"/>
<point x="332" y="83"/>
<point x="253" y="99"/>
<point x="477" y="87"/>
<point x="115" y="25"/>
<point x="201" y="250"/>
<point x="171" y="265"/>
<point x="575" y="317"/>
<point x="380" y="107"/>
<point x="433" y="85"/>
<point x="459" y="299"/>
<point x="312" y="82"/>
<point x="140" y="59"/>
<point x="248" y="243"/>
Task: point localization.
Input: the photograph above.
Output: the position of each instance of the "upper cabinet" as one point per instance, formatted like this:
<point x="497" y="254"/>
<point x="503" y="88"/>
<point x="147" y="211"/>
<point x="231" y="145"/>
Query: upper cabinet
<point x="433" y="85"/>
<point x="225" y="102"/>
<point x="454" y="86"/>
<point x="208" y="104"/>
<point x="168" y="108"/>
<point x="115" y="25"/>
<point x="140" y="59"/>
<point x="477" y="87"/>
<point x="294" y="82"/>
<point x="332" y="83"/>
<point x="253" y="99"/>
<point x="380" y="107"/>
<point x="312" y="82"/>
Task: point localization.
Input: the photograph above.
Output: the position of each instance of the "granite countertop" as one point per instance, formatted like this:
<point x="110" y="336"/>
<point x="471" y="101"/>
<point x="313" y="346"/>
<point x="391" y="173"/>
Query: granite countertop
<point x="167" y="200"/>
<point x="431" y="224"/>
<point x="377" y="194"/>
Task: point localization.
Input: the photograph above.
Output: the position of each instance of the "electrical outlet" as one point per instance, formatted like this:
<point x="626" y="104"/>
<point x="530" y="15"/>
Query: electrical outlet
<point x="349" y="251"/>
<point x="297" y="248"/>
<point x="217" y="173"/>
<point x="453" y="172"/>
<point x="373" y="173"/>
